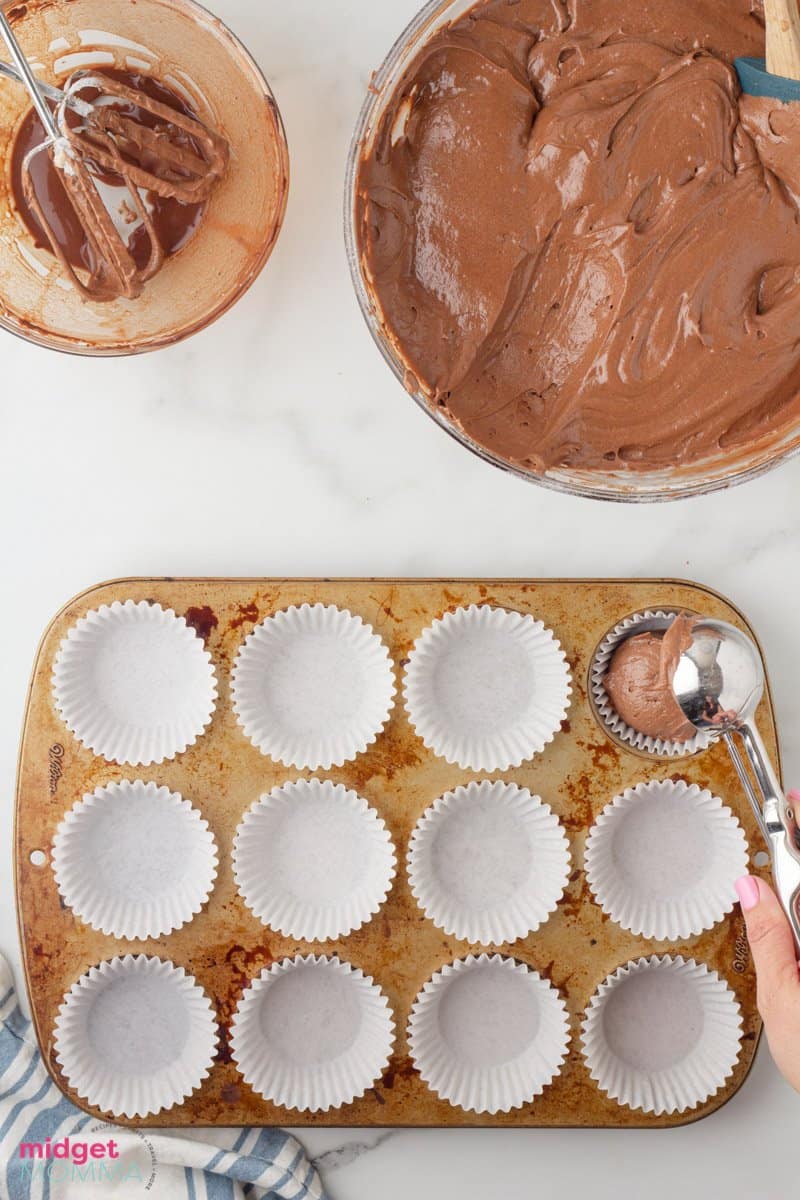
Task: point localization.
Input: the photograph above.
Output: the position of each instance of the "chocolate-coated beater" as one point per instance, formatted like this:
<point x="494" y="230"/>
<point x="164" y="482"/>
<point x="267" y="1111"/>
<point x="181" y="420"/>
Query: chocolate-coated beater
<point x="89" y="129"/>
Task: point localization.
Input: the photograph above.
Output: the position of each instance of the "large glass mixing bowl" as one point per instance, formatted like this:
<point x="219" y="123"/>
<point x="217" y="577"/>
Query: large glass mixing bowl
<point x="695" y="479"/>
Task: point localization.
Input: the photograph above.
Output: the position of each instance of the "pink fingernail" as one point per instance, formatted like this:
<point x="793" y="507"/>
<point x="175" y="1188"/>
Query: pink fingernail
<point x="794" y="796"/>
<point x="747" y="891"/>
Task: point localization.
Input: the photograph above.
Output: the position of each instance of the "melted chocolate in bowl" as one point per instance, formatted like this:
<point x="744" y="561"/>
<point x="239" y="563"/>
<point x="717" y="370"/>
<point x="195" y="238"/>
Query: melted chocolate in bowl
<point x="174" y="222"/>
<point x="217" y="249"/>
<point x="581" y="244"/>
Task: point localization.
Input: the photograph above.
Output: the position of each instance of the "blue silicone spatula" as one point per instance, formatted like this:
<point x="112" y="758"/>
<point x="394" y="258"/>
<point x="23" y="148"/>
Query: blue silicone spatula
<point x="777" y="76"/>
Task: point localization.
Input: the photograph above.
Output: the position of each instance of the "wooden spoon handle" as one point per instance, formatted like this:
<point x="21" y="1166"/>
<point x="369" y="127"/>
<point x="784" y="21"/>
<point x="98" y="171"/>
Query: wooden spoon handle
<point x="783" y="37"/>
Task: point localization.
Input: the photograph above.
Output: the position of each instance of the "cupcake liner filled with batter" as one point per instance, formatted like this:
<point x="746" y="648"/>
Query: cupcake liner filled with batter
<point x="643" y="692"/>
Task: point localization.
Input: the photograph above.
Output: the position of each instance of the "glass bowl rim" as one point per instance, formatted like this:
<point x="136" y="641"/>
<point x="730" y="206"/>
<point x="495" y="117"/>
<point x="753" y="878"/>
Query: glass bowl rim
<point x="401" y="52"/>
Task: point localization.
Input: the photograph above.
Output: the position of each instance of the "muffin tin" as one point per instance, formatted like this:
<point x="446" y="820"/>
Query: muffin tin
<point x="225" y="947"/>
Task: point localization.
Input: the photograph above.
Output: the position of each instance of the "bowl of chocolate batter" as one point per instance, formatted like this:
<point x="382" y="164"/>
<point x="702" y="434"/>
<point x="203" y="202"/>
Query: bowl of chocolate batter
<point x="190" y="254"/>
<point x="577" y="243"/>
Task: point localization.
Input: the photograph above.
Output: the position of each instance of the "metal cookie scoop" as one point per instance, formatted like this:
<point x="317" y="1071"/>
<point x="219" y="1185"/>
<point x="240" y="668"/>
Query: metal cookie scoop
<point x="718" y="683"/>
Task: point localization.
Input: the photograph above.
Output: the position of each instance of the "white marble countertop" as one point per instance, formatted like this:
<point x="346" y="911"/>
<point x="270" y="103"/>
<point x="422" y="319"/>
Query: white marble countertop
<point x="279" y="443"/>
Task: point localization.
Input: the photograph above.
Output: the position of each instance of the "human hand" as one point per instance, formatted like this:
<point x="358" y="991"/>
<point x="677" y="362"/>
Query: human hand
<point x="775" y="958"/>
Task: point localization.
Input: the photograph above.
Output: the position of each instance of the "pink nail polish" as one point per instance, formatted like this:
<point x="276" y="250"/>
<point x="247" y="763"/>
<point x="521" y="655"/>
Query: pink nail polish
<point x="747" y="891"/>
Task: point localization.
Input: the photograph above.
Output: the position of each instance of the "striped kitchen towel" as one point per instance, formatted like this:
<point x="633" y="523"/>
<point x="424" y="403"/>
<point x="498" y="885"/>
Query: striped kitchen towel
<point x="50" y="1150"/>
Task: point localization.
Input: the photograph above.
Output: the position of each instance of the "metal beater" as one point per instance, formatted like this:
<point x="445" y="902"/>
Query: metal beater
<point x="180" y="158"/>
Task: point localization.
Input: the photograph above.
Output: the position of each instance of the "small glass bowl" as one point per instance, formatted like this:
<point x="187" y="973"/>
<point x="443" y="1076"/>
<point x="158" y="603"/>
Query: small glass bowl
<point x="192" y="52"/>
<point x="630" y="486"/>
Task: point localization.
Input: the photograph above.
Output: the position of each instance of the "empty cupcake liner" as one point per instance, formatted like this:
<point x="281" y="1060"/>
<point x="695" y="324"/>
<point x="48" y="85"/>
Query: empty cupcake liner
<point x="313" y="860"/>
<point x="134" y="860"/>
<point x="663" y="857"/>
<point x="313" y="686"/>
<point x="486" y="688"/>
<point x="662" y="1034"/>
<point x="488" y="1034"/>
<point x="134" y="683"/>
<point x="135" y="1035"/>
<point x="312" y="1033"/>
<point x="639" y="622"/>
<point x="488" y="862"/>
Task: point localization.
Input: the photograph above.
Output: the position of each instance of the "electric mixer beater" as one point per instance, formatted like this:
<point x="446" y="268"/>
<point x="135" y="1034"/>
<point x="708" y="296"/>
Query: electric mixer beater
<point x="96" y="124"/>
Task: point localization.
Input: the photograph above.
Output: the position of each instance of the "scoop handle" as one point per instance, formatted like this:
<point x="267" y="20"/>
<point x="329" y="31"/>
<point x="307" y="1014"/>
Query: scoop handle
<point x="779" y="824"/>
<point x="783" y="37"/>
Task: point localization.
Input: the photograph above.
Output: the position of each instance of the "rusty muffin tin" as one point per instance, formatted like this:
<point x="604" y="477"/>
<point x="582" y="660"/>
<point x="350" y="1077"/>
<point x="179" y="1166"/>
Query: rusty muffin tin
<point x="225" y="946"/>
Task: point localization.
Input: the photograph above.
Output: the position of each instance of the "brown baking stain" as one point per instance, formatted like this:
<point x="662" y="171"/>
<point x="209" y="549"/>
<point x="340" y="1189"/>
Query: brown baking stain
<point x="224" y="1054"/>
<point x="243" y="965"/>
<point x="248" y="614"/>
<point x="385" y="761"/>
<point x="225" y="947"/>
<point x="44" y="955"/>
<point x="574" y="901"/>
<point x="580" y="790"/>
<point x="399" y="1068"/>
<point x="202" y="620"/>
<point x="603" y="754"/>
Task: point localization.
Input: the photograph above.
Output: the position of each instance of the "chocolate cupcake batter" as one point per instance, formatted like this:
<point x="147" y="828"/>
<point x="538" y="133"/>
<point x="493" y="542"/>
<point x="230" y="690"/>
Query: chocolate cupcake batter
<point x="583" y="240"/>
<point x="639" y="681"/>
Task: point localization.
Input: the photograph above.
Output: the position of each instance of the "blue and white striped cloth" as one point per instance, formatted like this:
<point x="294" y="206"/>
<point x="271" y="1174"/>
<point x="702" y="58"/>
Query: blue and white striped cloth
<point x="207" y="1164"/>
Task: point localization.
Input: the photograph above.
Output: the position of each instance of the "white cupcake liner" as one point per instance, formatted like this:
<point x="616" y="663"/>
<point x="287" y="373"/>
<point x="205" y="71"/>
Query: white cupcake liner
<point x="312" y="860"/>
<point x="134" y="860"/>
<point x="662" y="1034"/>
<point x="134" y="683"/>
<point x="313" y="686"/>
<point x="487" y="688"/>
<point x="663" y="857"/>
<point x="488" y="862"/>
<point x="312" y="1033"/>
<point x="646" y="620"/>
<point x="488" y="1034"/>
<point x="135" y="1035"/>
